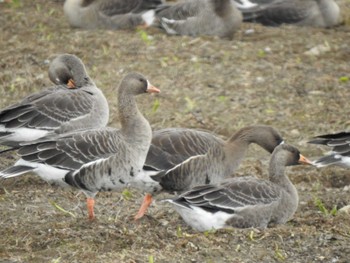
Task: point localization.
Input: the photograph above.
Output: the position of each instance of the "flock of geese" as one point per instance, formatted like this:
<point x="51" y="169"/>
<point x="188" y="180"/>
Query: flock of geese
<point x="60" y="133"/>
<point x="220" y="18"/>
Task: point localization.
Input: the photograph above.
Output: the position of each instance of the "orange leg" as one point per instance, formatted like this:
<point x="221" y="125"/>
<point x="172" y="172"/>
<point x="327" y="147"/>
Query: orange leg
<point x="145" y="204"/>
<point x="90" y="206"/>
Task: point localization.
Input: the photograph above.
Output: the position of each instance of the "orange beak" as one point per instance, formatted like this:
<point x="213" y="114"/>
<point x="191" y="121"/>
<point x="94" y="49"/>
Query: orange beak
<point x="304" y="160"/>
<point x="71" y="84"/>
<point x="151" y="88"/>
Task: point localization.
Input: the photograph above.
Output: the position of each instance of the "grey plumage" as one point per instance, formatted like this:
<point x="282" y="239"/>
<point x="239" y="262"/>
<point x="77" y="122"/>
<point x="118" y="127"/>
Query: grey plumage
<point x="57" y="109"/>
<point x="95" y="160"/>
<point x="110" y="14"/>
<point x="200" y="17"/>
<point x="213" y="162"/>
<point x="172" y="146"/>
<point x="340" y="144"/>
<point x="319" y="13"/>
<point x="244" y="201"/>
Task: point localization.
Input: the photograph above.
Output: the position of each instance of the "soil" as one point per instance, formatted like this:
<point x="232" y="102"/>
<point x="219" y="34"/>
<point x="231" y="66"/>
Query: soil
<point x="294" y="78"/>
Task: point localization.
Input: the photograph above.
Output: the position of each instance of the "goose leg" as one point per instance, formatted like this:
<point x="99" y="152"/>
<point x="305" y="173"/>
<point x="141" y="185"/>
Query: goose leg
<point x="145" y="204"/>
<point x="90" y="206"/>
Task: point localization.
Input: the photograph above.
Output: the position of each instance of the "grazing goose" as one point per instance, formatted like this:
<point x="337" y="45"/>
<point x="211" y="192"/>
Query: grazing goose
<point x="73" y="103"/>
<point x="110" y="14"/>
<point x="200" y="17"/>
<point x="200" y="157"/>
<point x="340" y="154"/>
<point x="318" y="13"/>
<point x="244" y="202"/>
<point x="96" y="160"/>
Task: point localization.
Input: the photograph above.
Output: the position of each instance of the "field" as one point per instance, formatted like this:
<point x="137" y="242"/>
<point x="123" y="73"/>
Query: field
<point x="295" y="79"/>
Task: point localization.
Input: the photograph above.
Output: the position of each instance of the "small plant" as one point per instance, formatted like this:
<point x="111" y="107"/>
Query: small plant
<point x="61" y="209"/>
<point x="144" y="36"/>
<point x="322" y="208"/>
<point x="156" y="105"/>
<point x="179" y="232"/>
<point x="127" y="195"/>
<point x="344" y="79"/>
<point x="261" y="53"/>
<point x="56" y="260"/>
<point x="251" y="236"/>
<point x="190" y="104"/>
<point x="150" y="259"/>
<point x="279" y="254"/>
<point x="12" y="3"/>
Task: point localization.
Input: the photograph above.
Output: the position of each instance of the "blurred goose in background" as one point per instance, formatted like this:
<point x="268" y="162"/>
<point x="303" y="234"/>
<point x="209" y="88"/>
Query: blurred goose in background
<point x="200" y="17"/>
<point x="187" y="158"/>
<point x="73" y="103"/>
<point x="244" y="202"/>
<point x="110" y="14"/>
<point x="318" y="13"/>
<point x="340" y="154"/>
<point x="94" y="160"/>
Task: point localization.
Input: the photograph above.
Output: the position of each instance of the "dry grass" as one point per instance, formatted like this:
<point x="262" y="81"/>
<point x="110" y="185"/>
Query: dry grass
<point x="265" y="77"/>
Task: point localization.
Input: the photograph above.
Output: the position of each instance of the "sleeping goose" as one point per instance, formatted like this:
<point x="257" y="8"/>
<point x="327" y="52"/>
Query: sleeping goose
<point x="199" y="157"/>
<point x="200" y="17"/>
<point x="94" y="160"/>
<point x="340" y="154"/>
<point x="318" y="13"/>
<point x="110" y="14"/>
<point x="73" y="103"/>
<point x="244" y="202"/>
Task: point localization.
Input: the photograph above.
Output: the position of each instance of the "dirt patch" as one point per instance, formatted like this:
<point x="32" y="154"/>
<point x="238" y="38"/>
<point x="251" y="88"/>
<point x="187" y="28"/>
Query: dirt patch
<point x="270" y="76"/>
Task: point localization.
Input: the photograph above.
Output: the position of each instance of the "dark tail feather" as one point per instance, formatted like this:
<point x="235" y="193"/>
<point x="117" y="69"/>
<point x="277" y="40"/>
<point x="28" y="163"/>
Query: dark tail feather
<point x="15" y="171"/>
<point x="9" y="149"/>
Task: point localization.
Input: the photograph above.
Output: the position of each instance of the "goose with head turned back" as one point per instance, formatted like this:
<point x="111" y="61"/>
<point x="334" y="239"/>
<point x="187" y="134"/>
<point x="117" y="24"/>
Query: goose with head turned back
<point x="318" y="13"/>
<point x="94" y="160"/>
<point x="73" y="103"/>
<point x="340" y="154"/>
<point x="244" y="202"/>
<point x="200" y="17"/>
<point x="211" y="161"/>
<point x="110" y="14"/>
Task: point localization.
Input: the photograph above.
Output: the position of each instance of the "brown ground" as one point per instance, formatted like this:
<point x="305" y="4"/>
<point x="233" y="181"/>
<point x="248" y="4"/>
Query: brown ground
<point x="263" y="77"/>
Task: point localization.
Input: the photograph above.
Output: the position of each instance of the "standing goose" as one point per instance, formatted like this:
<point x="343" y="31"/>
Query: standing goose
<point x="104" y="159"/>
<point x="201" y="158"/>
<point x="73" y="103"/>
<point x="340" y="154"/>
<point x="318" y="13"/>
<point x="244" y="202"/>
<point x="200" y="17"/>
<point x="110" y="14"/>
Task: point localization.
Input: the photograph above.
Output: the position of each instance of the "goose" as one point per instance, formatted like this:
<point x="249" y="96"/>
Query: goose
<point x="104" y="159"/>
<point x="74" y="102"/>
<point x="317" y="13"/>
<point x="110" y="14"/>
<point x="199" y="157"/>
<point x="199" y="17"/>
<point x="340" y="154"/>
<point x="244" y="202"/>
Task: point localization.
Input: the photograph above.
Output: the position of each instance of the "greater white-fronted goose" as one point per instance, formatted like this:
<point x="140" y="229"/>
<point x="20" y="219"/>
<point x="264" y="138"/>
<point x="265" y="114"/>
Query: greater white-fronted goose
<point x="110" y="14"/>
<point x="244" y="202"/>
<point x="200" y="157"/>
<point x="73" y="103"/>
<point x="318" y="13"/>
<point x="200" y="17"/>
<point x="104" y="159"/>
<point x="340" y="154"/>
